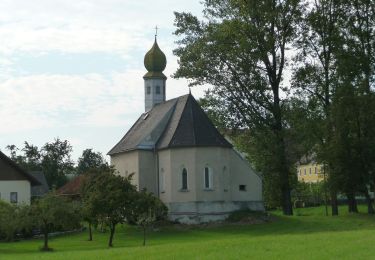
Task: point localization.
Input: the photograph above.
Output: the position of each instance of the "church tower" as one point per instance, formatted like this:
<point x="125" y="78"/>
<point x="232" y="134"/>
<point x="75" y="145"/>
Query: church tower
<point x="155" y="62"/>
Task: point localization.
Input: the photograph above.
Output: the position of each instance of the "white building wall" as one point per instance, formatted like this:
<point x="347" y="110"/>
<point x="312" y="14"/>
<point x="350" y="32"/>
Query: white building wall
<point x="126" y="164"/>
<point x="196" y="204"/>
<point x="22" y="187"/>
<point x="153" y="98"/>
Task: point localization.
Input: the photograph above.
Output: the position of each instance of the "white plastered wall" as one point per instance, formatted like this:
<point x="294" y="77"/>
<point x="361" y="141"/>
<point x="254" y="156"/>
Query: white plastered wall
<point x="127" y="163"/>
<point x="229" y="171"/>
<point x="22" y="187"/>
<point x="139" y="163"/>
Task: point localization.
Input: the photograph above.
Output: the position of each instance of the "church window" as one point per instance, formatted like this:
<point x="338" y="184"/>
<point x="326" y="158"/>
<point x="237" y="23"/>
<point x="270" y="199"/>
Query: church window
<point x="242" y="187"/>
<point x="184" y="179"/>
<point x="148" y="90"/>
<point x="157" y="90"/>
<point x="207" y="178"/>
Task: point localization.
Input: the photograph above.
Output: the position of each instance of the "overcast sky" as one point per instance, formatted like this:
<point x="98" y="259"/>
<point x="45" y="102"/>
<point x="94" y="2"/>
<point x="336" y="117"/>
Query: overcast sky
<point x="73" y="69"/>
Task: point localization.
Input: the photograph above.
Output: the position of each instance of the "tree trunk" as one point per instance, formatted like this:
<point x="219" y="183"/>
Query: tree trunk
<point x="370" y="208"/>
<point x="90" y="232"/>
<point x="144" y="235"/>
<point x="45" y="247"/>
<point x="334" y="204"/>
<point x="112" y="229"/>
<point x="352" y="203"/>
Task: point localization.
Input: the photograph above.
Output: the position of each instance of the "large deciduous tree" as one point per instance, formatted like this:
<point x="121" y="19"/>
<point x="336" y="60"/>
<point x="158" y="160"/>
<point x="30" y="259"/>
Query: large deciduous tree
<point x="56" y="162"/>
<point x="90" y="160"/>
<point x="240" y="48"/>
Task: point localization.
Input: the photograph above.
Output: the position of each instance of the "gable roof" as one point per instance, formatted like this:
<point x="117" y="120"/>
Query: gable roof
<point x="43" y="188"/>
<point x="22" y="173"/>
<point x="178" y="122"/>
<point x="73" y="187"/>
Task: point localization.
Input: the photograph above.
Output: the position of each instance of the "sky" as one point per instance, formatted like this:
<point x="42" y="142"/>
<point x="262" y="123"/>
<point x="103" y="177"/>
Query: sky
<point x="73" y="69"/>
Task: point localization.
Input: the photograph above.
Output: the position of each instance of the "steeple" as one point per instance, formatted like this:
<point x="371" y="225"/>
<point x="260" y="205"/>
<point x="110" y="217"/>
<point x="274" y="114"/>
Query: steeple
<point x="155" y="62"/>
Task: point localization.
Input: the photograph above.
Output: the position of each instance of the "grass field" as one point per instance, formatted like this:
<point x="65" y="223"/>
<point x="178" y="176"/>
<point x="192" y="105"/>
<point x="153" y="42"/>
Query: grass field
<point x="307" y="235"/>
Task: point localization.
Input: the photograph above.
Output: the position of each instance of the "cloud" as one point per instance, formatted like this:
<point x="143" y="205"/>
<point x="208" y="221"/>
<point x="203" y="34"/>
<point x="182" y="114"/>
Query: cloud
<point x="48" y="88"/>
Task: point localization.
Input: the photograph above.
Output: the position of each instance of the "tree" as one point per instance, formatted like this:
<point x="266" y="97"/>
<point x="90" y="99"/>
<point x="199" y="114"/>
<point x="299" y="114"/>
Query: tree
<point x="53" y="212"/>
<point x="109" y="196"/>
<point x="90" y="160"/>
<point x="32" y="156"/>
<point x="316" y="79"/>
<point x="147" y="209"/>
<point x="56" y="162"/>
<point x="241" y="50"/>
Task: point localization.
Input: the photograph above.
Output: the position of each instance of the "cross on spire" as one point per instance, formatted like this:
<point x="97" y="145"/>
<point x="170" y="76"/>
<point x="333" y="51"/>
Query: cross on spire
<point x="156" y="31"/>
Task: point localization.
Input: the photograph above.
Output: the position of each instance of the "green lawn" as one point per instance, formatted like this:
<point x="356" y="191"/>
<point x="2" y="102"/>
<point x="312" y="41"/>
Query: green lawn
<point x="308" y="235"/>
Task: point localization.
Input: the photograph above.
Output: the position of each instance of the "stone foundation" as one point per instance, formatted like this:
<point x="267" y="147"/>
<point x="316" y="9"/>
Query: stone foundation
<point x="204" y="211"/>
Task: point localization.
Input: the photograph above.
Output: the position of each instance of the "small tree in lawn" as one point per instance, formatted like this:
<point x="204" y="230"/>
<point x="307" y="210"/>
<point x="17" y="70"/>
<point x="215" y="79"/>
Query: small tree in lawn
<point x="109" y="196"/>
<point x="53" y="212"/>
<point x="89" y="214"/>
<point x="147" y="210"/>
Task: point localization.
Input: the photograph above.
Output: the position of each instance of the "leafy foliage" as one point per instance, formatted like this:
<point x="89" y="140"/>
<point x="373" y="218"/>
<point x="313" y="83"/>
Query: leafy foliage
<point x="53" y="212"/>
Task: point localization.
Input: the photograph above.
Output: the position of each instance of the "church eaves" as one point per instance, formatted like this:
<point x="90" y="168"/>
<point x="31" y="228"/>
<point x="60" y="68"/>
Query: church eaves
<point x="179" y="122"/>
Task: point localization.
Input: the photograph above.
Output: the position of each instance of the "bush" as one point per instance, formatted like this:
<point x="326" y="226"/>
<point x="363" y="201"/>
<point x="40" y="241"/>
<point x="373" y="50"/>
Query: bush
<point x="15" y="221"/>
<point x="308" y="194"/>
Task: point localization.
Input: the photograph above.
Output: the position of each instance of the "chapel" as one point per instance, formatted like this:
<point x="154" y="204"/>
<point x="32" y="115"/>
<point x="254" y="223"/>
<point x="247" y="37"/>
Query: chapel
<point x="175" y="151"/>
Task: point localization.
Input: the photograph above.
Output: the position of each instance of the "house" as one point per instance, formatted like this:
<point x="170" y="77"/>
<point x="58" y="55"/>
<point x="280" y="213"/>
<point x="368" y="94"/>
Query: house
<point x="39" y="190"/>
<point x="174" y="151"/>
<point x="310" y="172"/>
<point x="15" y="183"/>
<point x="72" y="188"/>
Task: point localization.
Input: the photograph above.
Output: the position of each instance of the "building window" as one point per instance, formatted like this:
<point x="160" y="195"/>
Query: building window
<point x="304" y="171"/>
<point x="208" y="178"/>
<point x="316" y="170"/>
<point x="148" y="90"/>
<point x="13" y="197"/>
<point x="157" y="90"/>
<point x="184" y="179"/>
<point x="300" y="172"/>
<point x="242" y="187"/>
<point x="310" y="170"/>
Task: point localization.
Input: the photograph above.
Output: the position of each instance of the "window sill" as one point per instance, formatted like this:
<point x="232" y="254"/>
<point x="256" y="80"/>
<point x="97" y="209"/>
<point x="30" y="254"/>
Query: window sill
<point x="208" y="189"/>
<point x="183" y="190"/>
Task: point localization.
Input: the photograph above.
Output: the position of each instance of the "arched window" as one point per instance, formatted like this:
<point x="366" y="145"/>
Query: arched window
<point x="148" y="90"/>
<point x="157" y="90"/>
<point x="208" y="178"/>
<point x="184" y="179"/>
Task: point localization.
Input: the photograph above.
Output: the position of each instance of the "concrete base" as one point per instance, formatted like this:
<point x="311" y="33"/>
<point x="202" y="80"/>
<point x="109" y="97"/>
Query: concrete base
<point x="203" y="211"/>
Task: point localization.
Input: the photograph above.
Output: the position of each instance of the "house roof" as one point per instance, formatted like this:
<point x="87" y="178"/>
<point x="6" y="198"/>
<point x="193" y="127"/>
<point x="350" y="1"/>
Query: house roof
<point x="18" y="169"/>
<point x="42" y="189"/>
<point x="72" y="187"/>
<point x="178" y="122"/>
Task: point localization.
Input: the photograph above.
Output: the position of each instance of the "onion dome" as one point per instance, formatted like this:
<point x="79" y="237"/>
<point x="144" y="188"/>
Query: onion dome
<point x="155" y="62"/>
